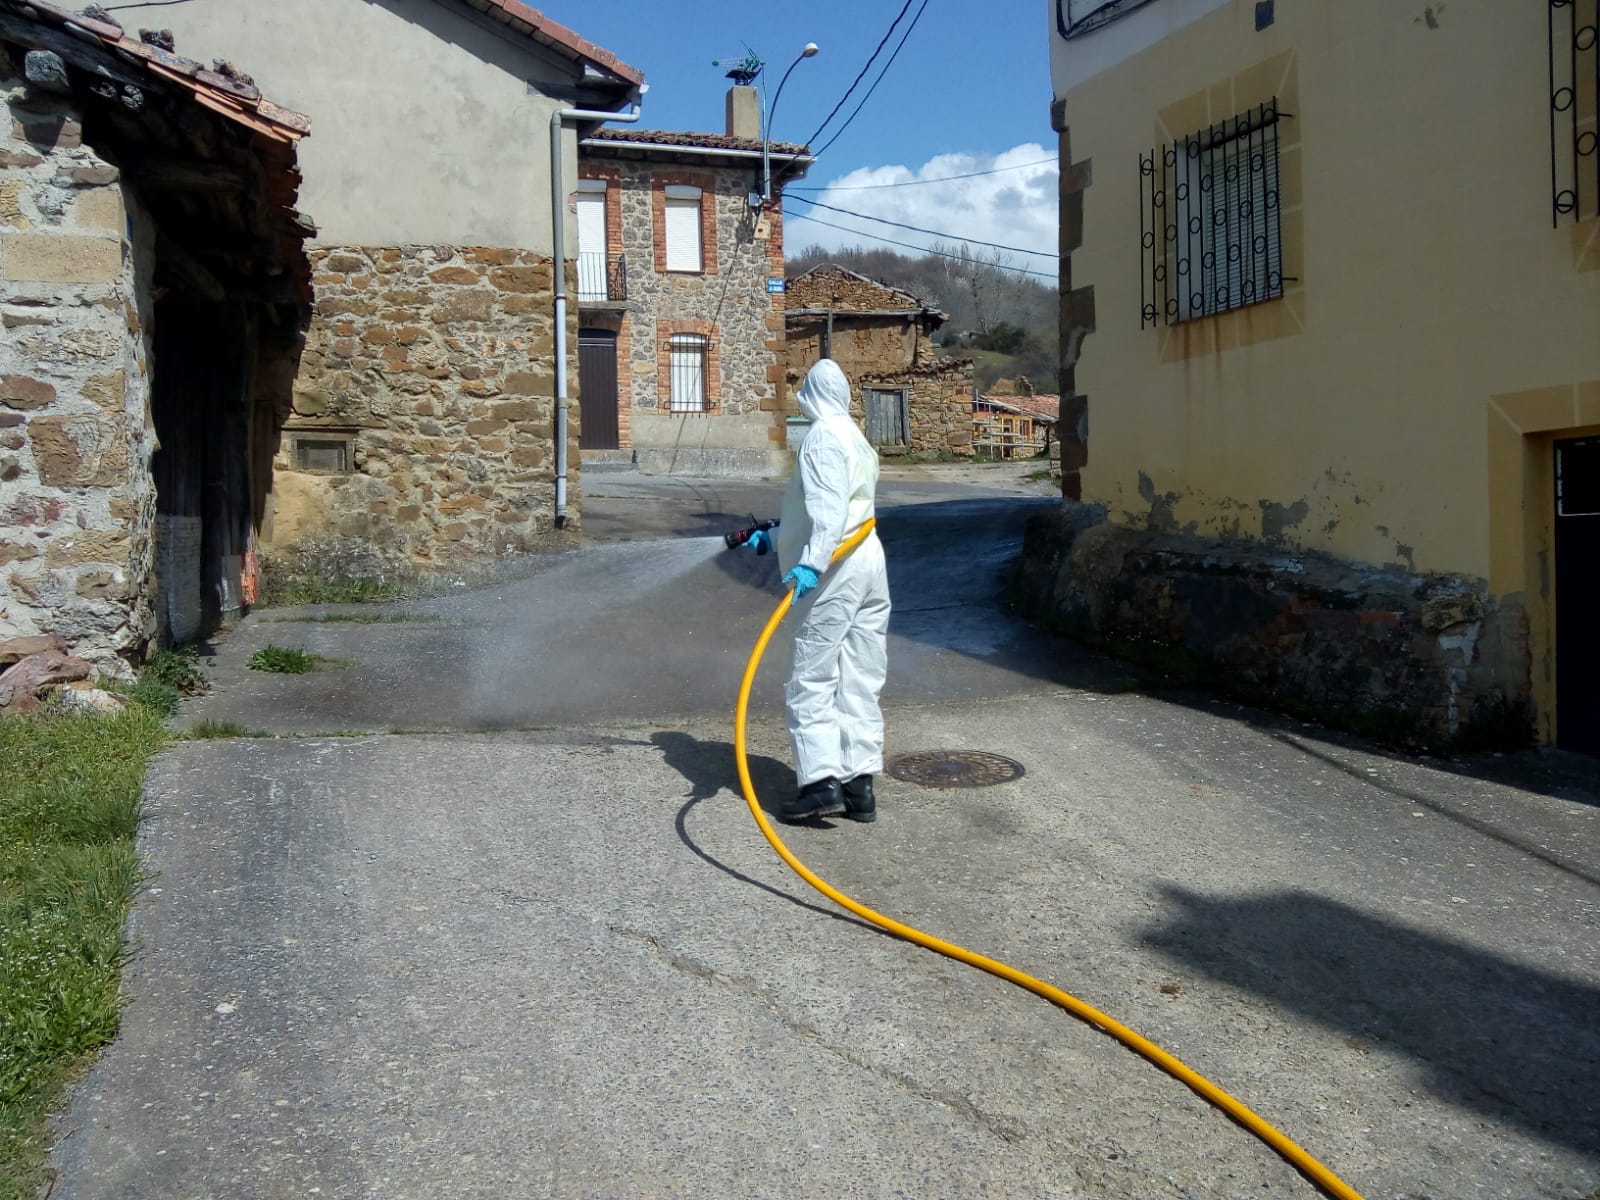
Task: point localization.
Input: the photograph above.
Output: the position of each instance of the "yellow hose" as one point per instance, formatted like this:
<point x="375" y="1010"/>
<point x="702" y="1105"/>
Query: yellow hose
<point x="1296" y="1157"/>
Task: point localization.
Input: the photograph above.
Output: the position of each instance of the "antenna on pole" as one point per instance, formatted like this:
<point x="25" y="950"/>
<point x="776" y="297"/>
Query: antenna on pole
<point x="743" y="70"/>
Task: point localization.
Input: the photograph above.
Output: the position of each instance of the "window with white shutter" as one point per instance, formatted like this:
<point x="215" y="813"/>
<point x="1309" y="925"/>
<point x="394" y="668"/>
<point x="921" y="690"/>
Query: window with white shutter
<point x="592" y="249"/>
<point x="687" y="356"/>
<point x="683" y="228"/>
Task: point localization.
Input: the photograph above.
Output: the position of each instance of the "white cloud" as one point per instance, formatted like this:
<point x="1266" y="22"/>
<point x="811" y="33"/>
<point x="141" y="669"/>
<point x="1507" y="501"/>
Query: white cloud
<point x="1012" y="207"/>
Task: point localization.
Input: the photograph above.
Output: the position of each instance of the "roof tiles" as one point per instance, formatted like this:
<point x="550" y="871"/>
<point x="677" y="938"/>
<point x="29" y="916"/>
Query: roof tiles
<point x="543" y="29"/>
<point x="223" y="89"/>
<point x="1046" y="407"/>
<point x="699" y="141"/>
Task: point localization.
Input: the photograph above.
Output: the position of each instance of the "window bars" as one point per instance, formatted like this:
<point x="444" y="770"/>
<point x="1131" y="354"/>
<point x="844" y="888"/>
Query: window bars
<point x="687" y="355"/>
<point x="1211" y="221"/>
<point x="1075" y="18"/>
<point x="1574" y="63"/>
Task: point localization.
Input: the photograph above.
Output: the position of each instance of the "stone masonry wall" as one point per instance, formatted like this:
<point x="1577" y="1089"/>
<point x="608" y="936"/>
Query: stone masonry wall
<point x="939" y="403"/>
<point x="1418" y="659"/>
<point x="437" y="363"/>
<point x="730" y="299"/>
<point x="830" y="287"/>
<point x="892" y="352"/>
<point x="860" y="345"/>
<point x="77" y="502"/>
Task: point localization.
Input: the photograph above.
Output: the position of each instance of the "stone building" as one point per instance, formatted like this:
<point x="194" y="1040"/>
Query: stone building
<point x="680" y="288"/>
<point x="153" y="290"/>
<point x="423" y="431"/>
<point x="1329" y="298"/>
<point x="907" y="396"/>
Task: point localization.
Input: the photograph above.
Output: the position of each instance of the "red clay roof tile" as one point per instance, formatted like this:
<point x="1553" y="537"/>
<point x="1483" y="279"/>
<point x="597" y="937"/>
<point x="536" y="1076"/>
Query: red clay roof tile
<point x="700" y="141"/>
<point x="542" y="28"/>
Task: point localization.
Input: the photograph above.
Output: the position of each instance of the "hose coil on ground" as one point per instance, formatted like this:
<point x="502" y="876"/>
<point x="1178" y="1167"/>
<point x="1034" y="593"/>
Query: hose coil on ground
<point x="1291" y="1152"/>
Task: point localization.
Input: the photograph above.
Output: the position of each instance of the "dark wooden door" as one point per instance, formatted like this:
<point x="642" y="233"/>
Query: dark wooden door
<point x="597" y="389"/>
<point x="204" y="494"/>
<point x="1578" y="595"/>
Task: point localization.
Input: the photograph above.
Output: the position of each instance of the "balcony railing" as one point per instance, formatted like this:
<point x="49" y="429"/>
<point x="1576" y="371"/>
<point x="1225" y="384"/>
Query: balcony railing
<point x="600" y="282"/>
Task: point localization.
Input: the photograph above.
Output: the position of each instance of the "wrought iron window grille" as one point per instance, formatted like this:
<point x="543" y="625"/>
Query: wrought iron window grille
<point x="1574" y="60"/>
<point x="1074" y="18"/>
<point x="1211" y="220"/>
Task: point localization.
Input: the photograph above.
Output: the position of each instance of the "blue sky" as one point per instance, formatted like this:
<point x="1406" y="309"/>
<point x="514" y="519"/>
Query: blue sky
<point x="969" y="91"/>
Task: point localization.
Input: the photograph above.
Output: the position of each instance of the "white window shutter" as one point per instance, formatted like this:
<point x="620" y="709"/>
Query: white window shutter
<point x="683" y="233"/>
<point x="591" y="223"/>
<point x="591" y="246"/>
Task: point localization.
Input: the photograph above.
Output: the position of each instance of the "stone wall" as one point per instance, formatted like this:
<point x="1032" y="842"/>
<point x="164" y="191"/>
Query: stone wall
<point x="860" y="345"/>
<point x="1419" y="659"/>
<point x="730" y="298"/>
<point x="833" y="287"/>
<point x="77" y="502"/>
<point x="939" y="401"/>
<point x="433" y="366"/>
<point x="892" y="352"/>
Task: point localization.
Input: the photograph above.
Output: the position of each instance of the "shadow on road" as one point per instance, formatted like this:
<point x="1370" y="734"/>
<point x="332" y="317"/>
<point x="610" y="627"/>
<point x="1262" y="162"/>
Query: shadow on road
<point x="1511" y="1042"/>
<point x="710" y="768"/>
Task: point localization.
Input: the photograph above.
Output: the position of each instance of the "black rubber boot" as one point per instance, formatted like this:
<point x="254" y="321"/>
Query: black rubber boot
<point x="820" y="799"/>
<point x="859" y="803"/>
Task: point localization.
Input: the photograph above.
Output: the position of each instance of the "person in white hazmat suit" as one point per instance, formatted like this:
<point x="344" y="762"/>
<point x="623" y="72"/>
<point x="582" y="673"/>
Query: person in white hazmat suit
<point x="840" y="650"/>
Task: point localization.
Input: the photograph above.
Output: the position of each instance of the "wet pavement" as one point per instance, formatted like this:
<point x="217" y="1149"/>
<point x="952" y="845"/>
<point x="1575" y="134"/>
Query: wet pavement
<point x="543" y="952"/>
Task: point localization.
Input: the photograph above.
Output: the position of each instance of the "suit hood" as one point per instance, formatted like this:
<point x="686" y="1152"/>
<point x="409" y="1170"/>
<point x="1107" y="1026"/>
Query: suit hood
<point x="825" y="392"/>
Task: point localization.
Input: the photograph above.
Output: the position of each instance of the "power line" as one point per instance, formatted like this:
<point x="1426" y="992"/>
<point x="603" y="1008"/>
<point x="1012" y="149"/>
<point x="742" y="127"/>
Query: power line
<point x="862" y="187"/>
<point x="862" y="75"/>
<point x="956" y="237"/>
<point x="839" y="132"/>
<point x="873" y="237"/>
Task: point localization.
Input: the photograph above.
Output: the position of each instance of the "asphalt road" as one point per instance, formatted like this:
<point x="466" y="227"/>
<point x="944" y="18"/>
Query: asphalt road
<point x="540" y="950"/>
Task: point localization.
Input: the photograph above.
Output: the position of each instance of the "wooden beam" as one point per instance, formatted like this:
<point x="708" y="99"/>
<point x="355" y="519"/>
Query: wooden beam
<point x="92" y="58"/>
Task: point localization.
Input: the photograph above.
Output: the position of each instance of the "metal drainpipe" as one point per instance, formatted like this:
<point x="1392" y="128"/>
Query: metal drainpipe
<point x="558" y="214"/>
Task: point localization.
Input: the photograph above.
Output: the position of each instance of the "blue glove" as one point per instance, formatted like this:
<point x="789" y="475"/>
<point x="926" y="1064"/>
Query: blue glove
<point x="760" y="541"/>
<point x="804" y="580"/>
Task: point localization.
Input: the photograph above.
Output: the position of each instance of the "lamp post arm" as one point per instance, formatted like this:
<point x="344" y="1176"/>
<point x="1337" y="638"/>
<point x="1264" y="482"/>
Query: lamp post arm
<point x="766" y="134"/>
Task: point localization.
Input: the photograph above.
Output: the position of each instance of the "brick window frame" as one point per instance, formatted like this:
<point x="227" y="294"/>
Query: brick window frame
<point x="659" y="182"/>
<point x="665" y="330"/>
<point x="612" y="176"/>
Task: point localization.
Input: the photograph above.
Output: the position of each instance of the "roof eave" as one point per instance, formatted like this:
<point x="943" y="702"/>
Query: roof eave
<point x="665" y="149"/>
<point x="529" y="22"/>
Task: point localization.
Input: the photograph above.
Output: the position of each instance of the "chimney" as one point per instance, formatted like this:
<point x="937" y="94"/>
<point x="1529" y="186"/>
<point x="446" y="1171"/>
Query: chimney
<point x="744" y="113"/>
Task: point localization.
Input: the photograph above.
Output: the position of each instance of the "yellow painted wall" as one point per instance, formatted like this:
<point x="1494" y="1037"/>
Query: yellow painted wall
<point x="1432" y="282"/>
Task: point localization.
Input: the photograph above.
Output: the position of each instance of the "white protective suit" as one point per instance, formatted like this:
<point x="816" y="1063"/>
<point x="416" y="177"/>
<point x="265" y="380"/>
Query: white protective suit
<point x="840" y="652"/>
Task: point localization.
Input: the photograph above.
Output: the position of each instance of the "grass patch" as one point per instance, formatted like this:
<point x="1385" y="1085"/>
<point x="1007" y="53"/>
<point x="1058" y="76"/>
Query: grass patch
<point x="69" y="805"/>
<point x="177" y="669"/>
<point x="157" y="697"/>
<point x="166" y="677"/>
<point x="202" y="730"/>
<point x="309" y="589"/>
<point x="282" y="661"/>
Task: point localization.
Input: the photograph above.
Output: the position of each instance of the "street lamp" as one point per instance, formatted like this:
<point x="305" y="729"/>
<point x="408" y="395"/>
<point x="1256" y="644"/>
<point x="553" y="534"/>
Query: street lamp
<point x="809" y="51"/>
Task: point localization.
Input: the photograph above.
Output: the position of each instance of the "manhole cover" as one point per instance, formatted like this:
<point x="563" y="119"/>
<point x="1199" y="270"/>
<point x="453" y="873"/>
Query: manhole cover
<point x="955" y="768"/>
